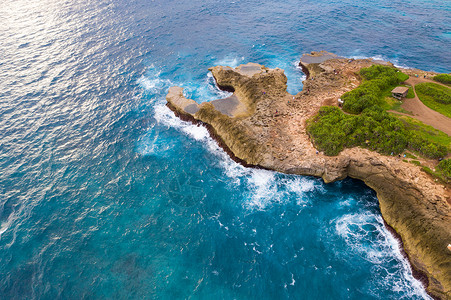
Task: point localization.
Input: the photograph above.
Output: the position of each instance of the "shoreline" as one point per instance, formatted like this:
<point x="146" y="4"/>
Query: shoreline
<point x="267" y="131"/>
<point x="416" y="273"/>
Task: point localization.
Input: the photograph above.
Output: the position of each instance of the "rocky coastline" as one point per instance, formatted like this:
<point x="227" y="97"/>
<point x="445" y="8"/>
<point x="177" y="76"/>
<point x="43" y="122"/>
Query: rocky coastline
<point x="262" y="125"/>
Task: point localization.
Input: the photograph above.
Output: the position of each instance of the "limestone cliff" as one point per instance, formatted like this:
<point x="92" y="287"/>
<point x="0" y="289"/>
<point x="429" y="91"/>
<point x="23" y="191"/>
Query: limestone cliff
<point x="263" y="125"/>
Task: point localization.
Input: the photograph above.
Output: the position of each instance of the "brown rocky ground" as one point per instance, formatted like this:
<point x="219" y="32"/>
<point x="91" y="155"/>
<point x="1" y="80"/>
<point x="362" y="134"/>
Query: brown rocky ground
<point x="267" y="128"/>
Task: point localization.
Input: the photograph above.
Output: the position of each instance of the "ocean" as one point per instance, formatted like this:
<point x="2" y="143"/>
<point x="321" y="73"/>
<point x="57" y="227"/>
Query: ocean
<point x="105" y="194"/>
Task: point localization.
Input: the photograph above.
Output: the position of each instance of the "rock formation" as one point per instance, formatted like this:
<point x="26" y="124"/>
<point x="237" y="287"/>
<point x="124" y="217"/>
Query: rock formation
<point x="263" y="125"/>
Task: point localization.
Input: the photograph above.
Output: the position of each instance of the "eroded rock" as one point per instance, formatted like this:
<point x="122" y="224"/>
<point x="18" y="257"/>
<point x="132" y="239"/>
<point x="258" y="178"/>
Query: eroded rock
<point x="263" y="125"/>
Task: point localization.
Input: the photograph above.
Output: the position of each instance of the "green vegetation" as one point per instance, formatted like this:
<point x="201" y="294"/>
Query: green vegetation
<point x="443" y="78"/>
<point x="435" y="96"/>
<point x="429" y="171"/>
<point x="415" y="162"/>
<point x="394" y="104"/>
<point x="444" y="167"/>
<point x="410" y="93"/>
<point x="442" y="172"/>
<point x="390" y="103"/>
<point x="377" y="81"/>
<point x="401" y="76"/>
<point x="374" y="128"/>
<point x="409" y="155"/>
<point x="426" y="132"/>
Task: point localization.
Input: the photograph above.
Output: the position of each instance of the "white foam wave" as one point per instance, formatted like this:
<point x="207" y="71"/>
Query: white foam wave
<point x="233" y="170"/>
<point x="300" y="185"/>
<point x="264" y="186"/>
<point x="298" y="67"/>
<point x="356" y="230"/>
<point x="5" y="225"/>
<point x="267" y="188"/>
<point x="214" y="88"/>
<point x="152" y="144"/>
<point x="379" y="57"/>
<point x="230" y="61"/>
<point x="153" y="82"/>
<point x="165" y="116"/>
<point x="366" y="235"/>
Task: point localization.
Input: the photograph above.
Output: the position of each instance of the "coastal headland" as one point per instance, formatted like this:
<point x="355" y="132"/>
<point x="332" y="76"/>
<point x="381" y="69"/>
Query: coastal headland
<point x="262" y="125"/>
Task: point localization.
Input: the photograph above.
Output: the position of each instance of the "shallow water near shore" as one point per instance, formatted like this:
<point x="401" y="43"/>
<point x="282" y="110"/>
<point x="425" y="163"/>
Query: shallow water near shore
<point x="104" y="193"/>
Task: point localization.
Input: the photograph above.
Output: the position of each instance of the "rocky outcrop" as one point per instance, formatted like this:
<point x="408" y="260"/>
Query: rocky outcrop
<point x="263" y="125"/>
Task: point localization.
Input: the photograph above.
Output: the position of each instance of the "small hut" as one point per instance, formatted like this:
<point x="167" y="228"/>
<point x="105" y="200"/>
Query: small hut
<point x="399" y="92"/>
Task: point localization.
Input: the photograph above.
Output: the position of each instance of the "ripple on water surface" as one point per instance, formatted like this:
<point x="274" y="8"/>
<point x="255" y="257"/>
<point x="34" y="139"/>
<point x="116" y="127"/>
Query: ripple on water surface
<point x="104" y="193"/>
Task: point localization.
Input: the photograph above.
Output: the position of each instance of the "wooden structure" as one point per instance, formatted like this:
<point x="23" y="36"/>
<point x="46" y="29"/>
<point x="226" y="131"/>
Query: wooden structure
<point x="400" y="92"/>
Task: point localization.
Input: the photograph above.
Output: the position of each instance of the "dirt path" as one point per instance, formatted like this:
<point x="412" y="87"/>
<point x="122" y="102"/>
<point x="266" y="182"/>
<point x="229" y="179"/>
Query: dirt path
<point x="423" y="113"/>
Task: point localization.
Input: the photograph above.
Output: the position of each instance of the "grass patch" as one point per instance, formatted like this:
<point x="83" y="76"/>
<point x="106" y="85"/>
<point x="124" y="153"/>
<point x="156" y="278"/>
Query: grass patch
<point x="415" y="162"/>
<point x="410" y="93"/>
<point x="443" y="78"/>
<point x="396" y="106"/>
<point x="428" y="171"/>
<point x="410" y="155"/>
<point x="426" y="132"/>
<point x="435" y="96"/>
<point x="401" y="76"/>
<point x="390" y="103"/>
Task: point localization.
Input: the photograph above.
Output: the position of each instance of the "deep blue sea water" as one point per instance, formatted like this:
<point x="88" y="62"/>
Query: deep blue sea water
<point x="104" y="193"/>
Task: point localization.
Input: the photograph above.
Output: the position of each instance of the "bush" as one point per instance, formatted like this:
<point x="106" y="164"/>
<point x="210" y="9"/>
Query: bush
<point x="445" y="167"/>
<point x="443" y="78"/>
<point x="377" y="79"/>
<point x="374" y="129"/>
<point x="324" y="129"/>
<point x="426" y="148"/>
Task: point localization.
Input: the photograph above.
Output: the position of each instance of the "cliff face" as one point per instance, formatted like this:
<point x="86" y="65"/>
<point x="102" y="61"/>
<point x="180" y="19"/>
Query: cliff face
<point x="263" y="125"/>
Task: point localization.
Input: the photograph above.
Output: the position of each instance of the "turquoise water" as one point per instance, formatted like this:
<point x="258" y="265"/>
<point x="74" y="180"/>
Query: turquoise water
<point x="104" y="193"/>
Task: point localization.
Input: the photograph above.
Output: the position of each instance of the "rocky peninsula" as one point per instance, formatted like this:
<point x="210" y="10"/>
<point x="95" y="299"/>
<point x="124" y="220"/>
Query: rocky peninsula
<point x="263" y="125"/>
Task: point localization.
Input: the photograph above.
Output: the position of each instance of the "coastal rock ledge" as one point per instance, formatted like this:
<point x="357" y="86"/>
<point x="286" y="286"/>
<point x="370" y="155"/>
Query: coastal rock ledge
<point x="263" y="125"/>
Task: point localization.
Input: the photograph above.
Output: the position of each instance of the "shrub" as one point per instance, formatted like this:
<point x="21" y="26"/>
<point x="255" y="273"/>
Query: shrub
<point x="445" y="167"/>
<point x="324" y="129"/>
<point x="377" y="79"/>
<point x="374" y="129"/>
